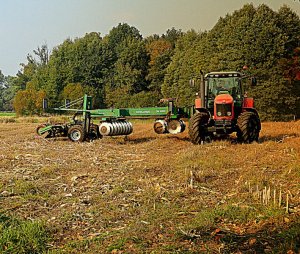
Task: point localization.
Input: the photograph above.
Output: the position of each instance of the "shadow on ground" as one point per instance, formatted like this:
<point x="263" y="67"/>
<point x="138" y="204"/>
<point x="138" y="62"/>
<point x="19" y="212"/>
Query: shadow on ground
<point x="279" y="138"/>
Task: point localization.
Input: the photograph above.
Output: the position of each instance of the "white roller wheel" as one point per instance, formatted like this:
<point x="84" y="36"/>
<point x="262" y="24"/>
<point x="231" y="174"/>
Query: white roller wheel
<point x="174" y="127"/>
<point x="183" y="125"/>
<point x="160" y="126"/>
<point x="105" y="129"/>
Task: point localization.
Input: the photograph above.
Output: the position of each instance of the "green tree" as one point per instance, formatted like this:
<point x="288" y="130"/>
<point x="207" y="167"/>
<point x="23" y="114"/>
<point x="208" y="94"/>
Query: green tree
<point x="185" y="65"/>
<point x="172" y="35"/>
<point x="2" y="89"/>
<point x="119" y="34"/>
<point x="85" y="60"/>
<point x="127" y="75"/>
<point x="160" y="53"/>
<point x="8" y="90"/>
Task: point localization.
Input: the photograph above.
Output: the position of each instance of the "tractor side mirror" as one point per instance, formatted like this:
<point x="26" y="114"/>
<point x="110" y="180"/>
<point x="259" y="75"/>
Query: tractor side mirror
<point x="253" y="81"/>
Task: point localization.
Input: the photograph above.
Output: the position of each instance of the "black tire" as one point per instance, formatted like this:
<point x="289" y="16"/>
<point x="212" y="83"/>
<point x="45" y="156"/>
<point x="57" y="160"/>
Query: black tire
<point x="198" y="128"/>
<point x="94" y="132"/>
<point x="76" y="133"/>
<point x="248" y="127"/>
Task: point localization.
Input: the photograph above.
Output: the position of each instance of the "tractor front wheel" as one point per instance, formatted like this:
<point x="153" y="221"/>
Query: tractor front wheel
<point x="76" y="133"/>
<point x="248" y="127"/>
<point x="197" y="127"/>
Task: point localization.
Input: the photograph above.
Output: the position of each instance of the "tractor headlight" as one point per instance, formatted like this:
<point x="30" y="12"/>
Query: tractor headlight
<point x="229" y="113"/>
<point x="219" y="113"/>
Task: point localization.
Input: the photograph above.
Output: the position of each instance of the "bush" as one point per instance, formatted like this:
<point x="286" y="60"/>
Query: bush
<point x="29" y="101"/>
<point x="73" y="91"/>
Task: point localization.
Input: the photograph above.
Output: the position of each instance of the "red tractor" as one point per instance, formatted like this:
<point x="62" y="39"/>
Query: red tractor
<point x="224" y="108"/>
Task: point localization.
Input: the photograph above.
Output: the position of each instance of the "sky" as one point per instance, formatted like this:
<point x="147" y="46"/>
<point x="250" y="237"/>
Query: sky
<point x="25" y="25"/>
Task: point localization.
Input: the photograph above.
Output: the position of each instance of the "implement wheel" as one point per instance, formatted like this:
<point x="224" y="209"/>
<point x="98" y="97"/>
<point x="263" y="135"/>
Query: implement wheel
<point x="76" y="133"/>
<point x="94" y="132"/>
<point x="43" y="134"/>
<point x="248" y="127"/>
<point x="197" y="127"/>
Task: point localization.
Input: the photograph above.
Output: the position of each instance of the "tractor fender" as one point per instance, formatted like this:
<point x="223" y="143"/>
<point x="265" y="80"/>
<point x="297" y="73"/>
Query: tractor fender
<point x="250" y="110"/>
<point x="204" y="110"/>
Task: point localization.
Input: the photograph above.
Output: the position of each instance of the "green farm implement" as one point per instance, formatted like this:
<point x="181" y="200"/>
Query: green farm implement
<point x="113" y="122"/>
<point x="221" y="108"/>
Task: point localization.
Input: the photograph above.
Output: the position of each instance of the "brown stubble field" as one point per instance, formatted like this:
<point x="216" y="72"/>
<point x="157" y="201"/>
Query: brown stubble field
<point x="150" y="193"/>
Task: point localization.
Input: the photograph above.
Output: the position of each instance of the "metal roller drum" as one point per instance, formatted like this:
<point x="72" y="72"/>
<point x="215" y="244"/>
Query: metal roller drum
<point x="160" y="126"/>
<point x="115" y="128"/>
<point x="112" y="129"/>
<point x="105" y="128"/>
<point x="175" y="126"/>
<point x="130" y="127"/>
<point x="183" y="125"/>
<point x="122" y="127"/>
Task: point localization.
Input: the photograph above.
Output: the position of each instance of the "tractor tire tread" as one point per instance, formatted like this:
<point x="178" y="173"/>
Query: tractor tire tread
<point x="248" y="127"/>
<point x="196" y="127"/>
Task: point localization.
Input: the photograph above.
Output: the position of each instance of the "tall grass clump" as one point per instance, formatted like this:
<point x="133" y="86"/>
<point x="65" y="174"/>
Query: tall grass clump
<point x="22" y="237"/>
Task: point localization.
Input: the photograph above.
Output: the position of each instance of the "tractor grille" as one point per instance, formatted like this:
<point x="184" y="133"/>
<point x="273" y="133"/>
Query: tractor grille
<point x="223" y="123"/>
<point x="223" y="109"/>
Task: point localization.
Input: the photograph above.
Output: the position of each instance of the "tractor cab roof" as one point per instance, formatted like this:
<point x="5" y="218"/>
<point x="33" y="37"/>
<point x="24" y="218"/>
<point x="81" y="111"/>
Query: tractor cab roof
<point x="223" y="74"/>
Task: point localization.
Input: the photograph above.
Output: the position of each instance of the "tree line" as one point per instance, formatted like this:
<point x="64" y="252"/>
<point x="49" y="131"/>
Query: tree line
<point x="123" y="69"/>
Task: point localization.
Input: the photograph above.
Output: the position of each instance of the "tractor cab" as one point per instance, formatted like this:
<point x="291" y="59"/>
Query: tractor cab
<point x="224" y="83"/>
<point x="224" y="91"/>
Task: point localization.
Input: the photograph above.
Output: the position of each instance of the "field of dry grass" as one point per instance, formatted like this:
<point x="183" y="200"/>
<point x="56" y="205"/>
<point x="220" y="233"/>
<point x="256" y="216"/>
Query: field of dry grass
<point x="150" y="193"/>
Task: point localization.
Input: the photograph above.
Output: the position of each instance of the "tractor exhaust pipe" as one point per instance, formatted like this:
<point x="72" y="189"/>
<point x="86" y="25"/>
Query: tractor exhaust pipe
<point x="202" y="89"/>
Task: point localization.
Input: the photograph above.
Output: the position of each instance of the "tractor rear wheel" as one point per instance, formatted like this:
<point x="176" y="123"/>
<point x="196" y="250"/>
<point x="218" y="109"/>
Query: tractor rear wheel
<point x="76" y="133"/>
<point x="197" y="127"/>
<point x="248" y="127"/>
